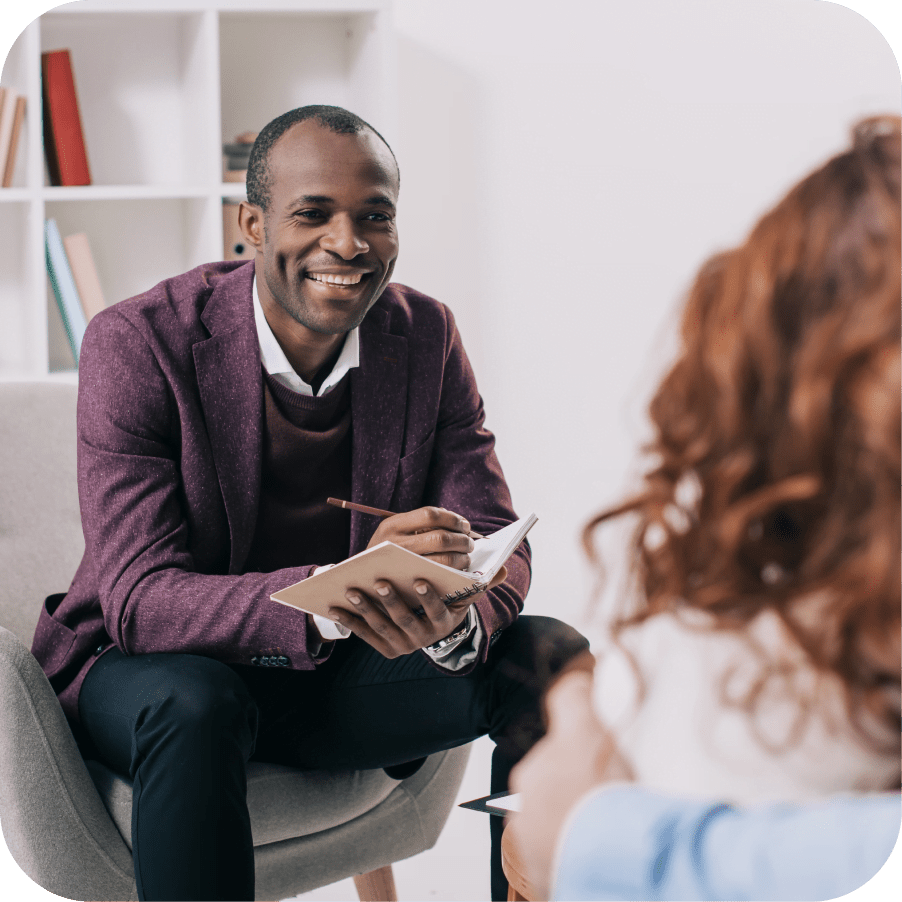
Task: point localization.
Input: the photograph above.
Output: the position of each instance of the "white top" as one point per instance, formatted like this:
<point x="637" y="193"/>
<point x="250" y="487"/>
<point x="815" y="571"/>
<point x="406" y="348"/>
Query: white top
<point x="454" y="655"/>
<point x="685" y="739"/>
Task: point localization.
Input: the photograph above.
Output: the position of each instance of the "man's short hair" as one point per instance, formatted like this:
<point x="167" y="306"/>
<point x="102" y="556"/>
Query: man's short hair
<point x="334" y="118"/>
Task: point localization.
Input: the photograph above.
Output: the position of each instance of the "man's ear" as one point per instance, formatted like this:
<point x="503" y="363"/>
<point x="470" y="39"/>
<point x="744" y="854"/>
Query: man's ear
<point x="250" y="221"/>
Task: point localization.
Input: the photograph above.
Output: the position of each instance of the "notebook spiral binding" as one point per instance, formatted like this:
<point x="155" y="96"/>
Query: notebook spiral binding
<point x="475" y="589"/>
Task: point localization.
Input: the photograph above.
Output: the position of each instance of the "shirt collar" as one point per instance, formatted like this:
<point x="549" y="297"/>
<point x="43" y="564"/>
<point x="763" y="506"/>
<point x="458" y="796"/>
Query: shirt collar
<point x="276" y="363"/>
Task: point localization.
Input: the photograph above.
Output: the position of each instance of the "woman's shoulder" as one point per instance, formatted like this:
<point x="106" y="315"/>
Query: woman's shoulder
<point x="740" y="712"/>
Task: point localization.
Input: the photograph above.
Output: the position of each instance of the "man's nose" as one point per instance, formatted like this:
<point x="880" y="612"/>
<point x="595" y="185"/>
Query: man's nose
<point x="342" y="238"/>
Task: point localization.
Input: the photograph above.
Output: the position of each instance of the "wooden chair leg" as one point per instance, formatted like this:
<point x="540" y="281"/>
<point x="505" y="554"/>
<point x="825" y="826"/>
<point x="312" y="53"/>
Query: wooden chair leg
<point x="377" y="886"/>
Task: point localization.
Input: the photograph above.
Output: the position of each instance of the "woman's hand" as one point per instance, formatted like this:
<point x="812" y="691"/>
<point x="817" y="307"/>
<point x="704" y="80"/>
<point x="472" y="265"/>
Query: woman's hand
<point x="576" y="754"/>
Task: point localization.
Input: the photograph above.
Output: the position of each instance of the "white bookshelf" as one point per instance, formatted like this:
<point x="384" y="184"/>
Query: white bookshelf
<point x="162" y="84"/>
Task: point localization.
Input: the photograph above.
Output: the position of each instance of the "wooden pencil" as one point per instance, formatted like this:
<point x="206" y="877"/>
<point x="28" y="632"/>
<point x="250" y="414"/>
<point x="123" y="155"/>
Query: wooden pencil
<point x="375" y="511"/>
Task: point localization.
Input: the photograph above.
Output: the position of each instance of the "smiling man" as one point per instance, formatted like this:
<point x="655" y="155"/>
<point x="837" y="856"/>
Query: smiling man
<point x="322" y="217"/>
<point x="217" y="412"/>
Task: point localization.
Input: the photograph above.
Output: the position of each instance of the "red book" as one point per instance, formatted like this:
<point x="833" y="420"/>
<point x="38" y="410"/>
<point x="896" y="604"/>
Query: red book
<point x="64" y="142"/>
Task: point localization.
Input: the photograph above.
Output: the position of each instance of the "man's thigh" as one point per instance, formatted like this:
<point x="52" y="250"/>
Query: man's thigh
<point x="361" y="710"/>
<point x="128" y="701"/>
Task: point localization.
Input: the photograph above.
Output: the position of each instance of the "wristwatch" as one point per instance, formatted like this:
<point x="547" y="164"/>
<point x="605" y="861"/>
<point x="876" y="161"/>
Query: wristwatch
<point x="464" y="630"/>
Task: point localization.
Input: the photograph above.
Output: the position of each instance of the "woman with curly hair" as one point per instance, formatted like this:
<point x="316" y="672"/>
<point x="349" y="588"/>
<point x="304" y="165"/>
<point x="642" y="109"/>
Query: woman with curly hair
<point x="758" y="658"/>
<point x="766" y="637"/>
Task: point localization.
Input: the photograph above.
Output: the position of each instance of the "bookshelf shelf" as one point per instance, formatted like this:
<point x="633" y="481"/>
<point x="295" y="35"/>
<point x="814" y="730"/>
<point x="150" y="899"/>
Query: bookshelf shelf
<point x="122" y="192"/>
<point x="161" y="85"/>
<point x="15" y="195"/>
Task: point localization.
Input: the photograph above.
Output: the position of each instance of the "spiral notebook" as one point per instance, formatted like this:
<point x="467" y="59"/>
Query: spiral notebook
<point x="318" y="593"/>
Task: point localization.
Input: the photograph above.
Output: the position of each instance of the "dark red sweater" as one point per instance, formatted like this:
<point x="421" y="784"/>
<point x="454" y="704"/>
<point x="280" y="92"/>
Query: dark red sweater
<point x="306" y="459"/>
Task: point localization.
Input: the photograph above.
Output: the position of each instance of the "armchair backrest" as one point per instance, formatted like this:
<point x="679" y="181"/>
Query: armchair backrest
<point x="41" y="541"/>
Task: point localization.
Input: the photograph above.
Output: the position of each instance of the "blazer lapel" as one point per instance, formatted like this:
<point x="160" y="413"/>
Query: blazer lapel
<point x="378" y="419"/>
<point x="230" y="380"/>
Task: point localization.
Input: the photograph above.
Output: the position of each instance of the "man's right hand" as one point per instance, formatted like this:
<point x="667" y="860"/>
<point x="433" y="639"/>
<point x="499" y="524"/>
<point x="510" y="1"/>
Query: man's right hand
<point x="432" y="532"/>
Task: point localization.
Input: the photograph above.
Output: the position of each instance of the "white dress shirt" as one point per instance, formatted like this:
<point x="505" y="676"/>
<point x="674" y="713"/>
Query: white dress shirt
<point x="453" y="656"/>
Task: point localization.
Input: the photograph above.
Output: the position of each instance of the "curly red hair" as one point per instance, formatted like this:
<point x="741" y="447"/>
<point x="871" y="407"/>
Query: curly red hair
<point x="776" y="451"/>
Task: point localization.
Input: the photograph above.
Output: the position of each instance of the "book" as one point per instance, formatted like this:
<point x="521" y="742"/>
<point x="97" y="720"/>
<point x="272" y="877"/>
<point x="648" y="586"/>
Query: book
<point x="81" y="262"/>
<point x="3" y="100"/>
<point x="63" y="283"/>
<point x="10" y="169"/>
<point x="236" y="156"/>
<point x="7" y="117"/>
<point x="391" y="562"/>
<point x="64" y="142"/>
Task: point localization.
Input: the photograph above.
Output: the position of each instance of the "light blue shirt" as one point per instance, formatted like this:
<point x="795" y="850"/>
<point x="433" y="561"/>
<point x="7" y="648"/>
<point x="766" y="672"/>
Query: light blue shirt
<point x="626" y="842"/>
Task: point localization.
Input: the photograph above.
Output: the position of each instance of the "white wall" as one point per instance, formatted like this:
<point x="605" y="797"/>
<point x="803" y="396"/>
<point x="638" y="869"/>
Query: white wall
<point x="566" y="167"/>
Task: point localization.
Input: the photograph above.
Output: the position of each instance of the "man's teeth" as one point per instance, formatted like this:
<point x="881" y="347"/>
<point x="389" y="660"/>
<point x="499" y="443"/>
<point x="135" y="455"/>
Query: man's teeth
<point x="331" y="279"/>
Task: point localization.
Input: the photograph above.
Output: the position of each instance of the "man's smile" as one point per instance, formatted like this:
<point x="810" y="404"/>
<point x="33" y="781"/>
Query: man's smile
<point x="338" y="279"/>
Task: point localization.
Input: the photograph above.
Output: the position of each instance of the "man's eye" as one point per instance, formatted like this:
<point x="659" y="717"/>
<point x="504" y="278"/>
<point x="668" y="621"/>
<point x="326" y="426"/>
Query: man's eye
<point x="309" y="214"/>
<point x="378" y="217"/>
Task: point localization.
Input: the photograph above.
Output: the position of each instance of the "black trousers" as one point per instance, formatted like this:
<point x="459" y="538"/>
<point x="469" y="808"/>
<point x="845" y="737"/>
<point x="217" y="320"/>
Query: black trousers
<point x="183" y="727"/>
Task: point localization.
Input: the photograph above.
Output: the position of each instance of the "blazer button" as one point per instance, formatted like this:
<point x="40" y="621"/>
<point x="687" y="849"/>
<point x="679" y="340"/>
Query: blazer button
<point x="255" y="660"/>
<point x="283" y="661"/>
<point x="265" y="660"/>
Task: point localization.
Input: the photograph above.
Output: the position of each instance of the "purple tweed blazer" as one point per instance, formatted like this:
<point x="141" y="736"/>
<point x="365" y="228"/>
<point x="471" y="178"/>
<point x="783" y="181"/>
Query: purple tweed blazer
<point x="170" y="429"/>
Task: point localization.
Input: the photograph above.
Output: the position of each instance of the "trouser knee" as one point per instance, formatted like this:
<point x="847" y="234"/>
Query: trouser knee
<point x="540" y="647"/>
<point x="172" y="707"/>
<point x="204" y="708"/>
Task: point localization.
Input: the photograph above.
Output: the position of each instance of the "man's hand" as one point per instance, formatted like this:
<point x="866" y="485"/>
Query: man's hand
<point x="385" y="616"/>
<point x="576" y="754"/>
<point x="432" y="532"/>
<point x="386" y="619"/>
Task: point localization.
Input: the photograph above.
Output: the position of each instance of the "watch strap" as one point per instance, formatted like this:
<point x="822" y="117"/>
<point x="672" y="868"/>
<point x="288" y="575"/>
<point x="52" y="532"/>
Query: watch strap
<point x="464" y="630"/>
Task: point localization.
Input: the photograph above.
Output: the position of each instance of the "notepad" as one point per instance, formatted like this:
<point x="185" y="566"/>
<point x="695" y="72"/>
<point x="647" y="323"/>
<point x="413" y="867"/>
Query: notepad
<point x="401" y="567"/>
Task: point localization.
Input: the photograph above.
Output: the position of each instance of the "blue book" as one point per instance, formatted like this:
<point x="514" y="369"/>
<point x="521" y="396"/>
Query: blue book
<point x="63" y="283"/>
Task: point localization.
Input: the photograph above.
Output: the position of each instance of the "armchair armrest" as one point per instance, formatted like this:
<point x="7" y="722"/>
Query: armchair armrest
<point x="52" y="817"/>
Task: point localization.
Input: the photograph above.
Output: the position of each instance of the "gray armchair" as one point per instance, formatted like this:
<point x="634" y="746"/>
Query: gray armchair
<point x="67" y="821"/>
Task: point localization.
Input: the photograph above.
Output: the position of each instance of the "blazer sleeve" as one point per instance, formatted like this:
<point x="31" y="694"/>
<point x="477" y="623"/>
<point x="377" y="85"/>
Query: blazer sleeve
<point x="466" y="477"/>
<point x="159" y="582"/>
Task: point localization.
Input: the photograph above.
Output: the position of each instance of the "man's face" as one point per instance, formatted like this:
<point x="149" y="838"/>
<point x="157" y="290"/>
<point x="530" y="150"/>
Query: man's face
<point x="330" y="241"/>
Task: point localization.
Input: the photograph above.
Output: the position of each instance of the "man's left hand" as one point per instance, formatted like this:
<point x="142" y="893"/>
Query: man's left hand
<point x="387" y="618"/>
